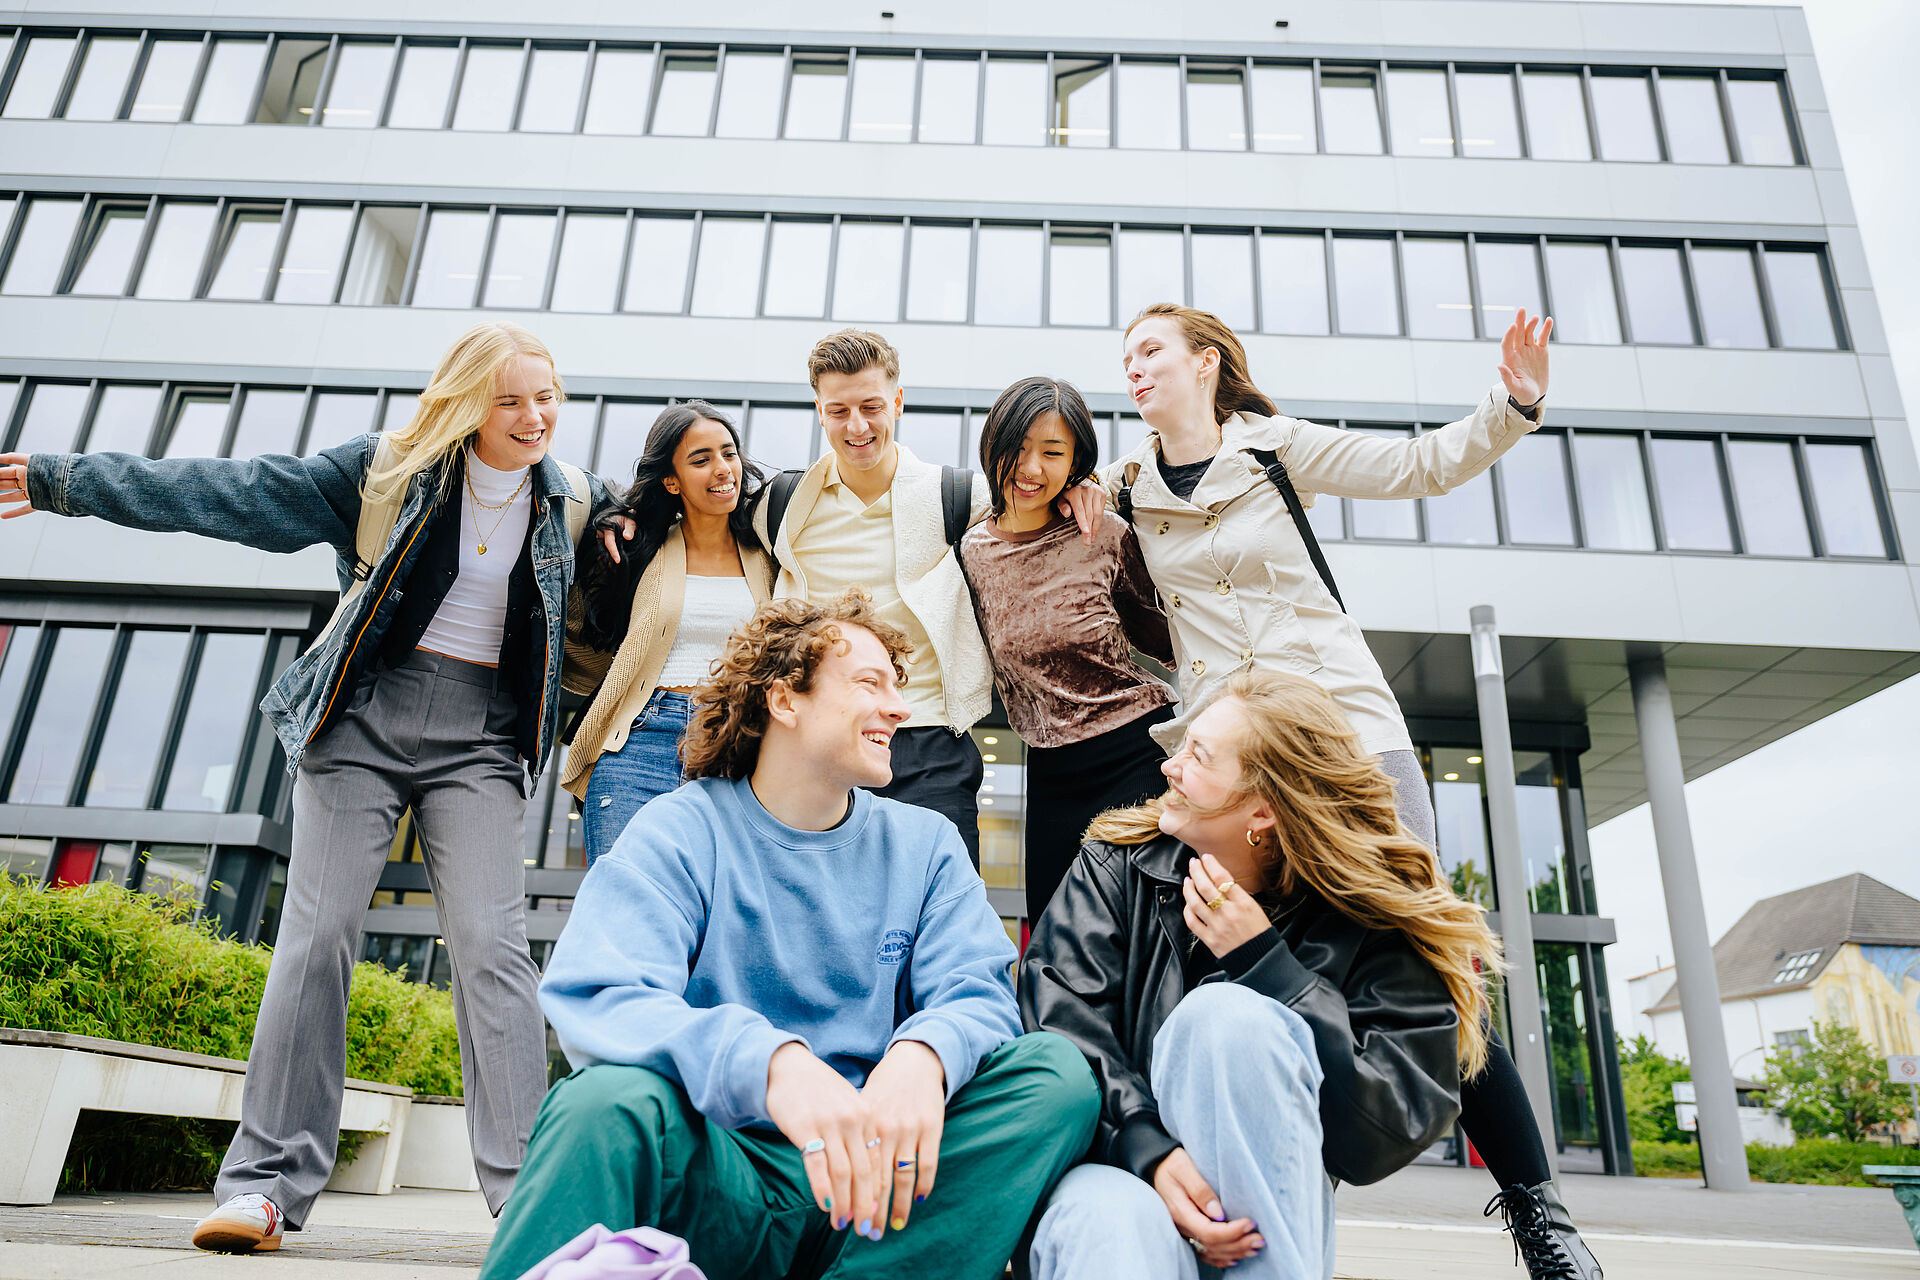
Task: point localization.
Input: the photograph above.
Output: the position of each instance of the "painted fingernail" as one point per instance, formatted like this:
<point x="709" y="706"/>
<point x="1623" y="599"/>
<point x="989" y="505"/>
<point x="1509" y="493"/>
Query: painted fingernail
<point x="829" y="1206"/>
<point x="1258" y="1243"/>
<point x="899" y="1223"/>
<point x="840" y="1224"/>
<point x="866" y="1226"/>
<point x="919" y="1199"/>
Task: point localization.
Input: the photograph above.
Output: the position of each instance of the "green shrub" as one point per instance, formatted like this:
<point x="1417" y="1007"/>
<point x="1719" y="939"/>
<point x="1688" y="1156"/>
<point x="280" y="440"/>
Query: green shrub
<point x="100" y="961"/>
<point x="1815" y="1160"/>
<point x="1647" y="1077"/>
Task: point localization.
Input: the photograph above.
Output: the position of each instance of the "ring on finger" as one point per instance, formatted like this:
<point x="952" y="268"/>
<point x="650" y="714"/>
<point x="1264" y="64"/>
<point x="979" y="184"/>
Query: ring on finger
<point x="1216" y="901"/>
<point x="814" y="1148"/>
<point x="873" y="1144"/>
<point x="903" y="1165"/>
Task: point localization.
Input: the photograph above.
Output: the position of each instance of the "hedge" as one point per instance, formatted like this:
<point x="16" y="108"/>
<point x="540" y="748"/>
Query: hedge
<point x="1822" y="1161"/>
<point x="101" y="961"/>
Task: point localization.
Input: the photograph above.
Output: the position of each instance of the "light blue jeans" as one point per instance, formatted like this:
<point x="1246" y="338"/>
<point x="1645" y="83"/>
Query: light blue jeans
<point x="1238" y="1084"/>
<point x="647" y="765"/>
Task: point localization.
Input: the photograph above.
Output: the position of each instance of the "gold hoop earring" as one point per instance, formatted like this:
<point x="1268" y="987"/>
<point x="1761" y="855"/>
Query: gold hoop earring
<point x="1253" y="841"/>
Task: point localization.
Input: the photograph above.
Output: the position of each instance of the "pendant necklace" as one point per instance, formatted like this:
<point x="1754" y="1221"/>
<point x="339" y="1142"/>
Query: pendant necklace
<point x="502" y="508"/>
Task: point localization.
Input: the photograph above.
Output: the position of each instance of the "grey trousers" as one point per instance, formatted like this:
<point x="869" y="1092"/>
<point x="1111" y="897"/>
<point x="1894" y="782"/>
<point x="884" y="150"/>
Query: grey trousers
<point x="431" y="734"/>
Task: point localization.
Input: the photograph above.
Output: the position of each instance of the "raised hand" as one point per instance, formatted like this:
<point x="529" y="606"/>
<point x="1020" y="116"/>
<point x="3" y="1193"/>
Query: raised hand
<point x="13" y="486"/>
<point x="1523" y="357"/>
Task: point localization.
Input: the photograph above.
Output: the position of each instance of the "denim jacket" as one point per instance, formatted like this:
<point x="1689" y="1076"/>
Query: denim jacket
<point x="277" y="502"/>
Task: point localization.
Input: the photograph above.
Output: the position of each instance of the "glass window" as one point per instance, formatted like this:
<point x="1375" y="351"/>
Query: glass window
<point x="123" y="419"/>
<point x="796" y="267"/>
<point x="1395" y="519"/>
<point x="269" y="422"/>
<point x="1843" y="497"/>
<point x="216" y="721"/>
<point x="37" y="80"/>
<point x="376" y="273"/>
<point x="426" y="82"/>
<point x="1080" y="278"/>
<point x="1556" y="116"/>
<point x="1693" y="507"/>
<point x="247" y="255"/>
<point x="1223" y="276"/>
<point x="1760" y="121"/>
<point x="339" y="416"/>
<point x="1464" y="516"/>
<point x="573" y="432"/>
<point x="657" y="265"/>
<point x="589" y="269"/>
<point x="817" y="96"/>
<point x="552" y="100"/>
<point x="53" y="418"/>
<point x="1293" y="283"/>
<point x="1417" y="107"/>
<point x="1438" y="303"/>
<point x="199" y="425"/>
<point x="1729" y="294"/>
<point x="1533" y="482"/>
<point x="61" y="716"/>
<point x="686" y="92"/>
<point x="882" y="98"/>
<point x="750" y="95"/>
<point x="1350" y="111"/>
<point x="102" y="82"/>
<point x="1460" y="822"/>
<point x="293" y="82"/>
<point x="1082" y="101"/>
<point x="9" y="393"/>
<point x="781" y="438"/>
<point x="1150" y="105"/>
<point x="1584" y="308"/>
<point x="1016" y="105"/>
<point x="450" y="258"/>
<point x="1542" y="836"/>
<point x="1489" y="117"/>
<point x="162" y="94"/>
<point x="123" y="771"/>
<point x="866" y="271"/>
<point x="727" y="280"/>
<point x="934" y="436"/>
<point x="517" y="270"/>
<point x="623" y="437"/>
<point x="1216" y="108"/>
<point x="1656" y="294"/>
<point x="226" y="91"/>
<point x="937" y="272"/>
<point x="1624" y="109"/>
<point x="315" y="244"/>
<point x="1509" y="281"/>
<point x="398" y="410"/>
<point x="1690" y="105"/>
<point x="1008" y="288"/>
<point x="173" y="871"/>
<point x="1613" y="492"/>
<point x="41" y="250"/>
<point x="1326" y="518"/>
<point x="1153" y="268"/>
<point x="1801" y="309"/>
<point x="488" y="85"/>
<point x="1283" y="109"/>
<point x="359" y="83"/>
<point x="1766" y="489"/>
<point x="17" y="644"/>
<point x="622" y="83"/>
<point x="1366" y="292"/>
<point x="949" y="98"/>
<point x="107" y="258"/>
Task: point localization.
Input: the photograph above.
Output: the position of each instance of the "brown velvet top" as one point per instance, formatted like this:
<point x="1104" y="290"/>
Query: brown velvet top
<point x="1060" y="618"/>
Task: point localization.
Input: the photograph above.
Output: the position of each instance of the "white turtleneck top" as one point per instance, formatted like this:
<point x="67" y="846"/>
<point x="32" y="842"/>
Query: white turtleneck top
<point x="471" y="620"/>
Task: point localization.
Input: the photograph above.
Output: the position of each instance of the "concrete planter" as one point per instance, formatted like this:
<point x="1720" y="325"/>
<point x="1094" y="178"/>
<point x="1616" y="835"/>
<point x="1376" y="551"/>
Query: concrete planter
<point x="436" y="1152"/>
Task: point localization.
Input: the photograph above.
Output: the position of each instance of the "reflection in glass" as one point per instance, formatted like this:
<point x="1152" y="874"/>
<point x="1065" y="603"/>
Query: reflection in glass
<point x="1533" y="483"/>
<point x="727" y="279"/>
<point x="360" y="76"/>
<point x="162" y="94"/>
<point x="934" y="436"/>
<point x="1556" y="116"/>
<point x="53" y="418"/>
<point x="657" y="265"/>
<point x="1216" y="108"/>
<point x="1843" y="497"/>
<point x="107" y="260"/>
<point x="199" y="425"/>
<point x="1563" y="1014"/>
<point x="293" y="82"/>
<point x="1365" y="288"/>
<point x="1417" y="106"/>
<point x="1690" y="106"/>
<point x="949" y="98"/>
<point x="882" y="98"/>
<point x="1079" y="278"/>
<point x="1464" y="517"/>
<point x="1800" y="306"/>
<point x="817" y="95"/>
<point x="226" y="91"/>
<point x="450" y="258"/>
<point x="1283" y="109"/>
<point x="1438" y="303"/>
<point x="1584" y="308"/>
<point x="36" y="82"/>
<point x="1613" y="492"/>
<point x="1693" y="509"/>
<point x="41" y="249"/>
<point x="314" y="247"/>
<point x="216" y="720"/>
<point x="552" y="100"/>
<point x="686" y="93"/>
<point x="1395" y="519"/>
<point x="1152" y="269"/>
<point x="1150" y="105"/>
<point x="376" y="274"/>
<point x="1760" y="121"/>
<point x="1623" y="107"/>
<point x="173" y="871"/>
<point x="123" y="771"/>
<point x="1223" y="276"/>
<point x="1543" y="839"/>
<point x="1766" y="489"/>
<point x="242" y="273"/>
<point x="17" y="644"/>
<point x="1008" y="291"/>
<point x="1082" y="98"/>
<point x="269" y="422"/>
<point x="1489" y="123"/>
<point x="1016" y="103"/>
<point x="1293" y="283"/>
<point x="1656" y="294"/>
<point x="1729" y="294"/>
<point x="589" y="269"/>
<point x="61" y="716"/>
<point x="1460" y="823"/>
<point x="937" y="273"/>
<point x="123" y="419"/>
<point x="1350" y="111"/>
<point x="102" y="81"/>
<point x="339" y="416"/>
<point x="866" y="273"/>
<point x="796" y="267"/>
<point x="488" y="85"/>
<point x="426" y="83"/>
<point x="517" y="269"/>
<point x="623" y="437"/>
<point x="750" y="95"/>
<point x="622" y="83"/>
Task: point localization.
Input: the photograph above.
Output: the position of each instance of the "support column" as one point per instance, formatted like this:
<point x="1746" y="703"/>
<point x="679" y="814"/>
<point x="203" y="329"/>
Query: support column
<point x="1510" y="877"/>
<point x="1723" y="1156"/>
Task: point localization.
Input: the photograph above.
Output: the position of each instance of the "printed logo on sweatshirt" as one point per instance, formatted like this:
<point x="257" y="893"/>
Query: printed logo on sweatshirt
<point x="894" y="947"/>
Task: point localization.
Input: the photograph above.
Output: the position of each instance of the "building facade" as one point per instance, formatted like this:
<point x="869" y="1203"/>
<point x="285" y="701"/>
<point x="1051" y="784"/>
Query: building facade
<point x="253" y="229"/>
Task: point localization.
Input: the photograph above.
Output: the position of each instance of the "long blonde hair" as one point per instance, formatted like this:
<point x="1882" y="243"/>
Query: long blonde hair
<point x="1338" y="833"/>
<point x="455" y="404"/>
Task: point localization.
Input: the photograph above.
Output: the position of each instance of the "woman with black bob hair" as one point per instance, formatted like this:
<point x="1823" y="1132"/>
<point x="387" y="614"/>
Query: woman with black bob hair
<point x="1061" y="618"/>
<point x="644" y="628"/>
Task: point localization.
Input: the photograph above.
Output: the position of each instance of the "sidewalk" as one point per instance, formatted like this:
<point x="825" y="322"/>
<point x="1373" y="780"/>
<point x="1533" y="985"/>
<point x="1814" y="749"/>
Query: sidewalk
<point x="1424" y="1223"/>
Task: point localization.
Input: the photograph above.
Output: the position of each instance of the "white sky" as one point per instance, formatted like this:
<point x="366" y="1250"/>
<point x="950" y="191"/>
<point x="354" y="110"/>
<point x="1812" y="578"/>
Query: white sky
<point x="1836" y="797"/>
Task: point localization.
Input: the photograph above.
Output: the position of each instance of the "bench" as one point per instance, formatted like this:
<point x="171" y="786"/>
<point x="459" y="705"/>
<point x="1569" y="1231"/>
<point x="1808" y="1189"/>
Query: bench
<point x="51" y="1077"/>
<point x="1904" y="1179"/>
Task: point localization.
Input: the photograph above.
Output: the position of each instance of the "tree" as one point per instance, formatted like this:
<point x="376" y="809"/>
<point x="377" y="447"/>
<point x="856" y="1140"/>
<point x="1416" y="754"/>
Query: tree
<point x="1835" y="1085"/>
<point x="1646" y="1079"/>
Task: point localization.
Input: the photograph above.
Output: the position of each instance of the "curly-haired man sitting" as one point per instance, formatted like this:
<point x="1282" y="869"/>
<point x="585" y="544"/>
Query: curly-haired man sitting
<point x="789" y="1003"/>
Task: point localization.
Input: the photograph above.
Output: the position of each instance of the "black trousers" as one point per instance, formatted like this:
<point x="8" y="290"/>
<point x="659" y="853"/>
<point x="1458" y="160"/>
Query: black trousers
<point x="1068" y="786"/>
<point x="938" y="769"/>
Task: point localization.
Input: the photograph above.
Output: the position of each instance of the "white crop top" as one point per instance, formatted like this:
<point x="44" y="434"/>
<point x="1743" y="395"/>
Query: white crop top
<point x="714" y="608"/>
<point x="471" y="620"/>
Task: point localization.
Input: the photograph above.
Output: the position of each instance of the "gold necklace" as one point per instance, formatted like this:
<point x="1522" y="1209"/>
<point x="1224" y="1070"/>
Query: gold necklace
<point x="502" y="508"/>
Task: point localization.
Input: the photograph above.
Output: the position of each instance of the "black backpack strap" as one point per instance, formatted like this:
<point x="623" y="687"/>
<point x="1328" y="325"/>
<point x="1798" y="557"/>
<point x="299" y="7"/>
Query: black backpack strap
<point x="1123" y="505"/>
<point x="1277" y="473"/>
<point x="956" y="502"/>
<point x="779" y="495"/>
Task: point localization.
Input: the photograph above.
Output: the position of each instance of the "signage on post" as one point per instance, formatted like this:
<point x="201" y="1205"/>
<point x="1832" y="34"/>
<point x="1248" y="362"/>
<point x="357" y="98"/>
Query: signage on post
<point x="1904" y="1068"/>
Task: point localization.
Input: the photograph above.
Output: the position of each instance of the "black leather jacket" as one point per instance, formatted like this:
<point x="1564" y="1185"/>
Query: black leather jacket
<point x="1106" y="966"/>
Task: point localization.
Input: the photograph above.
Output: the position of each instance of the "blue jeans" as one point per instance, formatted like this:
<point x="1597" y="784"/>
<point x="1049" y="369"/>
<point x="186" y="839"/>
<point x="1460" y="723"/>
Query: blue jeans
<point x="648" y="765"/>
<point x="1238" y="1083"/>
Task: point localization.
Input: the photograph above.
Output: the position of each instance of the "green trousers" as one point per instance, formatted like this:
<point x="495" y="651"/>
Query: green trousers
<point x="623" y="1147"/>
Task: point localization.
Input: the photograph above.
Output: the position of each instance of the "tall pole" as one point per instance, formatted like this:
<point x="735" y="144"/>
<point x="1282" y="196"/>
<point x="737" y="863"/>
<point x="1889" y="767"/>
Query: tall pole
<point x="1723" y="1156"/>
<point x="1510" y="876"/>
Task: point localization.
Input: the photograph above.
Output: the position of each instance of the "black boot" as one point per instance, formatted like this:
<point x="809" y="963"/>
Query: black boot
<point x="1544" y="1236"/>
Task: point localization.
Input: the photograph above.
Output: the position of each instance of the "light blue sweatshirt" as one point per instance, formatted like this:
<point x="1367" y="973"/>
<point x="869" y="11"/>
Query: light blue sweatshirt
<point x="712" y="933"/>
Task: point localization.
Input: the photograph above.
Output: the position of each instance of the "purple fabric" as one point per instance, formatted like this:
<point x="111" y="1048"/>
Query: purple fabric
<point x="638" y="1253"/>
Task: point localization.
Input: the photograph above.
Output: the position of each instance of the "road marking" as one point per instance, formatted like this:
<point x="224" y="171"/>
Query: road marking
<point x="1630" y="1238"/>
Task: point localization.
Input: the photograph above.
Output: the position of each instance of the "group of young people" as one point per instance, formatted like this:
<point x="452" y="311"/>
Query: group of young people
<point x="793" y="1015"/>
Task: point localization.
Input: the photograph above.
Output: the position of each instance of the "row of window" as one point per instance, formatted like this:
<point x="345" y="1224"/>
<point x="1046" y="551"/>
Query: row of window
<point x="1688" y="116"/>
<point x="1607" y="490"/>
<point x="1599" y="290"/>
<point x="240" y="890"/>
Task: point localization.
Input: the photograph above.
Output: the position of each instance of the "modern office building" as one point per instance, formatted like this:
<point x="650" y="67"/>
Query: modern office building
<point x="253" y="228"/>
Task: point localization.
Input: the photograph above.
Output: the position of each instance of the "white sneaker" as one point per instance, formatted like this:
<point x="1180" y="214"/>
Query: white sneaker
<point x="244" y="1224"/>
